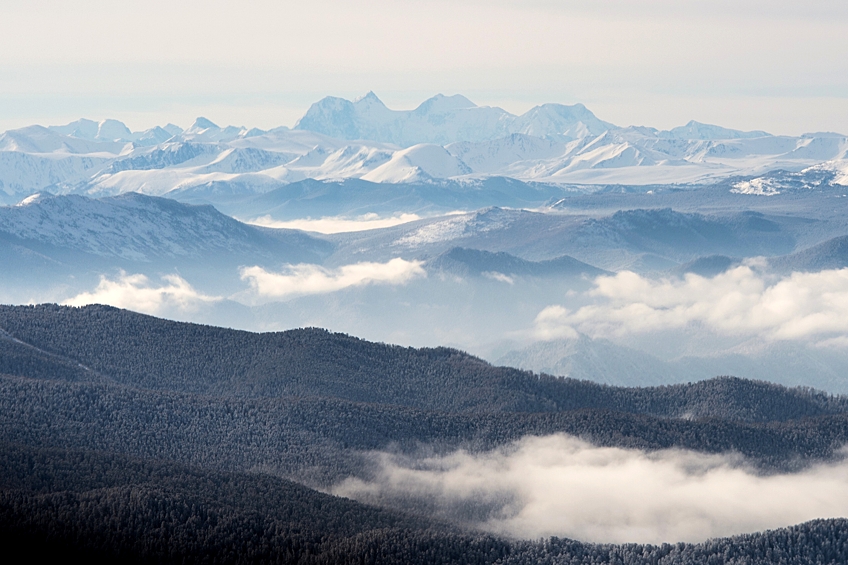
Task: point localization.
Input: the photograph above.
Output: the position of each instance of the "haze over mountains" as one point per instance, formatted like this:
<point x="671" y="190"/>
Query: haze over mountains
<point x="601" y="258"/>
<point x="448" y="224"/>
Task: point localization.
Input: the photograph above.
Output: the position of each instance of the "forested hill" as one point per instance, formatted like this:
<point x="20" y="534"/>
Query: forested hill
<point x="105" y="344"/>
<point x="126" y="438"/>
<point x="59" y="505"/>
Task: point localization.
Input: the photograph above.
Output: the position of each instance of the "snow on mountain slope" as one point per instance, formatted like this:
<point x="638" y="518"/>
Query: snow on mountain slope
<point x="440" y="120"/>
<point x="697" y="130"/>
<point x="153" y="136"/>
<point x="830" y="173"/>
<point x="417" y="163"/>
<point x="573" y="122"/>
<point x="514" y="152"/>
<point x="444" y="119"/>
<point x="204" y="130"/>
<point x="154" y="182"/>
<point x="352" y="161"/>
<point x="39" y="139"/>
<point x="135" y="227"/>
<point x="285" y="140"/>
<point x="113" y="130"/>
<point x="445" y="137"/>
<point x="246" y="160"/>
<point x="25" y="173"/>
<point x="602" y="155"/>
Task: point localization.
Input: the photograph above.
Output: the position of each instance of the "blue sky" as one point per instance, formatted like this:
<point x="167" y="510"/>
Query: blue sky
<point x="776" y="66"/>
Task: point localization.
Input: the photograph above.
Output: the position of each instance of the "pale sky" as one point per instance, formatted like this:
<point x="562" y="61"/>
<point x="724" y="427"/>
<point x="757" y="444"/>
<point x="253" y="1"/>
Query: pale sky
<point x="771" y="65"/>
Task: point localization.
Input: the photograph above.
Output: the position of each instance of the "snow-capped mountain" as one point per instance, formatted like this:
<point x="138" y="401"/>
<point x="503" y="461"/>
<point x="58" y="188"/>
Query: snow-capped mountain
<point x="444" y="119"/>
<point x="446" y="137"/>
<point x="139" y="228"/>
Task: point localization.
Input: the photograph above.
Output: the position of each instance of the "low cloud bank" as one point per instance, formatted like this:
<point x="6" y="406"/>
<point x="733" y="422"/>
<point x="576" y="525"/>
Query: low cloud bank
<point x="336" y="224"/>
<point x="303" y="279"/>
<point x="559" y="485"/>
<point x="138" y="293"/>
<point x="739" y="302"/>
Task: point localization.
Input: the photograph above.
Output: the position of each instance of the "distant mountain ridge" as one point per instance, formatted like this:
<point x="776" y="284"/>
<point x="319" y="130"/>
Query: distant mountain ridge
<point x="444" y="119"/>
<point x="465" y="262"/>
<point x="445" y="137"/>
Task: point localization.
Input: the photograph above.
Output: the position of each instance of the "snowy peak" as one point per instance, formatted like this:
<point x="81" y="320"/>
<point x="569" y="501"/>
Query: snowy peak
<point x="440" y="120"/>
<point x="113" y="130"/>
<point x="697" y="130"/>
<point x="335" y="117"/>
<point x="419" y="163"/>
<point x="81" y="129"/>
<point x="574" y="122"/>
<point x="201" y="124"/>
<point x="106" y="130"/>
<point x="441" y="103"/>
<point x="205" y="130"/>
<point x="370" y="100"/>
<point x="443" y="120"/>
<point x="39" y="139"/>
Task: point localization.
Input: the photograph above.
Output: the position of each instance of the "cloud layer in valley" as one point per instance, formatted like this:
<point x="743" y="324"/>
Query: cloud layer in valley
<point x="336" y="224"/>
<point x="559" y="485"/>
<point x="739" y="302"/>
<point x="137" y="292"/>
<point x="304" y="279"/>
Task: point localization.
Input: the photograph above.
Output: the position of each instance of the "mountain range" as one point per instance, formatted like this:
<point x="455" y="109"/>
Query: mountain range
<point x="446" y="137"/>
<point x="573" y="303"/>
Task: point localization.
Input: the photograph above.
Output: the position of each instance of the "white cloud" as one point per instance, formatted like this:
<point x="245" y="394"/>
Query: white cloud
<point x="302" y="279"/>
<point x="559" y="485"/>
<point x="739" y="302"/>
<point x="136" y="292"/>
<point x="336" y="224"/>
<point x="500" y="277"/>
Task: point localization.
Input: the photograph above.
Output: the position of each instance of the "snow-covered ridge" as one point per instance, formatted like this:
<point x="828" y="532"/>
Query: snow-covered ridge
<point x="130" y="227"/>
<point x="453" y="139"/>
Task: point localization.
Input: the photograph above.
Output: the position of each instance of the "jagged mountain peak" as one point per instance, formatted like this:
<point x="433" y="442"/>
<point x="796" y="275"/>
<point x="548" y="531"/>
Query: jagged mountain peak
<point x="82" y="128"/>
<point x="202" y="123"/>
<point x="368" y="99"/>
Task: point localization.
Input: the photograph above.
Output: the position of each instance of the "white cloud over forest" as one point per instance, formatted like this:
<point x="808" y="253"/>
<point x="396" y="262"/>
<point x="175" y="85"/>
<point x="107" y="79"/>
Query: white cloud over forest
<point x="137" y="292"/>
<point x="738" y="302"/>
<point x="559" y="485"/>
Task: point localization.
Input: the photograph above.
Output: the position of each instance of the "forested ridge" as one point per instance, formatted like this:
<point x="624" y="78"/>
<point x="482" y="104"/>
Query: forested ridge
<point x="146" y="352"/>
<point x="126" y="437"/>
<point x="64" y="504"/>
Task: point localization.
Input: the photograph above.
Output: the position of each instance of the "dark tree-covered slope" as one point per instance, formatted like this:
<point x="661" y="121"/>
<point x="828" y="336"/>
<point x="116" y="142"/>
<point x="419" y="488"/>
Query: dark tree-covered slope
<point x="65" y="505"/>
<point x="321" y="440"/>
<point x="61" y="503"/>
<point x="143" y="351"/>
<point x="128" y="438"/>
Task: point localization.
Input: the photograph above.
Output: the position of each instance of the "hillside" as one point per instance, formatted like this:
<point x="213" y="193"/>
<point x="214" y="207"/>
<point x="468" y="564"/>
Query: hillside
<point x="203" y="444"/>
<point x="188" y="358"/>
